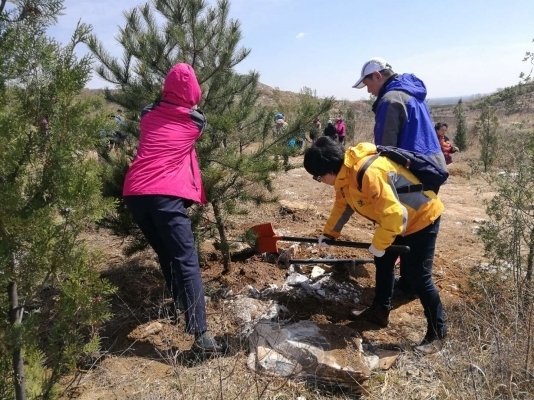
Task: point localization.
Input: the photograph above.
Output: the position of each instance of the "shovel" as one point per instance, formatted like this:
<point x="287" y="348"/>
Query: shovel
<point x="266" y="241"/>
<point x="332" y="261"/>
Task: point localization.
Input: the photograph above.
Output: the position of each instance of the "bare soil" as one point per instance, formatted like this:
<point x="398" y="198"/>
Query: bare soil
<point x="140" y="342"/>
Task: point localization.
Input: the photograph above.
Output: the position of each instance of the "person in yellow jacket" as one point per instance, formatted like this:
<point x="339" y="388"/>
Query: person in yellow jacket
<point x="407" y="219"/>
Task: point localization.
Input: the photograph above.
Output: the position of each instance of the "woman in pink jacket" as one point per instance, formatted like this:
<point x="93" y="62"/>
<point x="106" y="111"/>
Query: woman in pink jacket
<point x="163" y="180"/>
<point x="340" y="130"/>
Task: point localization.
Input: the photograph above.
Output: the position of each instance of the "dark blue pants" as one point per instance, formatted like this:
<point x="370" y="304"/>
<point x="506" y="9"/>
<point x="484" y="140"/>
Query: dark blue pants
<point x="167" y="228"/>
<point x="417" y="270"/>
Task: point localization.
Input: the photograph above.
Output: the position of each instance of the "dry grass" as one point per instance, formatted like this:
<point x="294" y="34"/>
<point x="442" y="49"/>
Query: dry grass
<point x="488" y="354"/>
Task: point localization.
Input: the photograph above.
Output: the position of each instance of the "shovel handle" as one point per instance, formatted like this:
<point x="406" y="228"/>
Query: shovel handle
<point x="334" y="261"/>
<point x="343" y="243"/>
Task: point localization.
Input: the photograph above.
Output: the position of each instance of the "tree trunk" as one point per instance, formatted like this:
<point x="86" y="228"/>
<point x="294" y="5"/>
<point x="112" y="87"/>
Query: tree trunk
<point x="530" y="260"/>
<point x="225" y="248"/>
<point x="15" y="314"/>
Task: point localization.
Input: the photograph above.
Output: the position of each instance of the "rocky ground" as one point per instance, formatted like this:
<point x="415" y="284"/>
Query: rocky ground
<point x="143" y="348"/>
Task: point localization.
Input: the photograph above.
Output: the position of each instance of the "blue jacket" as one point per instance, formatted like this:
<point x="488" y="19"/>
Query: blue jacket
<point x="402" y="118"/>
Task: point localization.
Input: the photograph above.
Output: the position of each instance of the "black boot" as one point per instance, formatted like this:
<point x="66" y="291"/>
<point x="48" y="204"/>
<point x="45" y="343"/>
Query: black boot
<point x="206" y="344"/>
<point x="433" y="342"/>
<point x="376" y="314"/>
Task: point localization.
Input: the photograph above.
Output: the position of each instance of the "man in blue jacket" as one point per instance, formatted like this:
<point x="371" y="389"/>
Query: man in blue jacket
<point x="402" y="118"/>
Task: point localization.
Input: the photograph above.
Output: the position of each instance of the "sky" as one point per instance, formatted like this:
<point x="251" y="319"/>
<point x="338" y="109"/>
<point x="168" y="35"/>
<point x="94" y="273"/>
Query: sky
<point x="457" y="47"/>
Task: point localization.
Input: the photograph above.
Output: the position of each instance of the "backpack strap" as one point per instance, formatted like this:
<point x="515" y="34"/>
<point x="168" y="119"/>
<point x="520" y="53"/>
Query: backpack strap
<point x="404" y="189"/>
<point x="363" y="169"/>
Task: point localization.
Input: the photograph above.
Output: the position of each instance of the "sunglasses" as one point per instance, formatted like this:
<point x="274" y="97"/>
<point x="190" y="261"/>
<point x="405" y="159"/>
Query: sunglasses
<point x="317" y="178"/>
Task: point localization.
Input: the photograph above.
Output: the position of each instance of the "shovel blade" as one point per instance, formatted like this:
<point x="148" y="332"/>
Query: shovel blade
<point x="267" y="244"/>
<point x="266" y="238"/>
<point x="263" y="230"/>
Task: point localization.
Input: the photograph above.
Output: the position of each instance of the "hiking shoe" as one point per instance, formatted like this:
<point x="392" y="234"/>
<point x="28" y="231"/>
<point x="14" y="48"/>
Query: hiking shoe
<point x="206" y="344"/>
<point x="375" y="314"/>
<point x="434" y="334"/>
<point x="431" y="344"/>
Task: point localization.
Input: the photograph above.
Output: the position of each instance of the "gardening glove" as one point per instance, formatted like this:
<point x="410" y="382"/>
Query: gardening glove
<point x="321" y="240"/>
<point x="375" y="252"/>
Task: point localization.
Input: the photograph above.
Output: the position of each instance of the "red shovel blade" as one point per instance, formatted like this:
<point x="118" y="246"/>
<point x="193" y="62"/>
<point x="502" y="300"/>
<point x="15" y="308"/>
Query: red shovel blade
<point x="266" y="238"/>
<point x="263" y="230"/>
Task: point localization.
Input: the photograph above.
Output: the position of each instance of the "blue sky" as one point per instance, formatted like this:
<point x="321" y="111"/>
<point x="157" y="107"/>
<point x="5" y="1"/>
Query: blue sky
<point x="458" y="47"/>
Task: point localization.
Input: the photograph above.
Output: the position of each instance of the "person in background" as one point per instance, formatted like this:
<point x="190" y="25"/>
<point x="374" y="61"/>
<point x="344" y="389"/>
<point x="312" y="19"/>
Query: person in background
<point x="340" y="130"/>
<point x="118" y="117"/>
<point x="402" y="119"/>
<point x="330" y="130"/>
<point x="315" y="130"/>
<point x="161" y="183"/>
<point x="446" y="147"/>
<point x="402" y="218"/>
<point x="280" y="123"/>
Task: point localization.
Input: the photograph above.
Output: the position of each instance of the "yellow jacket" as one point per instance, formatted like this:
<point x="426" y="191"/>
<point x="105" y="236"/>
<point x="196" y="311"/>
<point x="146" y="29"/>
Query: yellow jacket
<point x="395" y="214"/>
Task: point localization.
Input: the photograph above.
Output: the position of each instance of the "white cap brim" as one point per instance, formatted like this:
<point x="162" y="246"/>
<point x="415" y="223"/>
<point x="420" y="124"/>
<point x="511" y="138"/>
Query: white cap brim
<point x="359" y="84"/>
<point x="375" y="64"/>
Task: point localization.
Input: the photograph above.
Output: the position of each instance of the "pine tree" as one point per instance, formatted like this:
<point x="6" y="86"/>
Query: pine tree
<point x="237" y="153"/>
<point x="509" y="235"/>
<point x="510" y="97"/>
<point x="460" y="138"/>
<point x="49" y="191"/>
<point x="486" y="130"/>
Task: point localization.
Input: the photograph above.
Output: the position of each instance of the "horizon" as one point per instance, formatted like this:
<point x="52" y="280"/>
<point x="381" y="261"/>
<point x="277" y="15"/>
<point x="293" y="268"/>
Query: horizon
<point x="453" y="52"/>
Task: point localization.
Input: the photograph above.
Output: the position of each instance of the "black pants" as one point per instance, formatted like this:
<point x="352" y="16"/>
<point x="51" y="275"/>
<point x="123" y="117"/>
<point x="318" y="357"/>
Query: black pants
<point x="167" y="228"/>
<point x="417" y="273"/>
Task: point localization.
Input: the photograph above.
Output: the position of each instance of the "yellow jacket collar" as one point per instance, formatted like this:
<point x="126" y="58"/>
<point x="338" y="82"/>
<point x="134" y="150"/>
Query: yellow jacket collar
<point x="353" y="157"/>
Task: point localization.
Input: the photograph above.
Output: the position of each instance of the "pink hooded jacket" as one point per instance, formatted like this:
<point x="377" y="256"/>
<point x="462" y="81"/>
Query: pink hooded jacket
<point x="340" y="128"/>
<point x="166" y="161"/>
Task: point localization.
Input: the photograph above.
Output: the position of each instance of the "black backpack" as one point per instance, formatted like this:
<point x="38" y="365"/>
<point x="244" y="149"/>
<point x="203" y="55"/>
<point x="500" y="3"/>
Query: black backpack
<point x="429" y="173"/>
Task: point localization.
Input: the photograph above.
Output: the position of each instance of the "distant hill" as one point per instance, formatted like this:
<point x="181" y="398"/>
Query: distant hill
<point x="270" y="97"/>
<point x="445" y="101"/>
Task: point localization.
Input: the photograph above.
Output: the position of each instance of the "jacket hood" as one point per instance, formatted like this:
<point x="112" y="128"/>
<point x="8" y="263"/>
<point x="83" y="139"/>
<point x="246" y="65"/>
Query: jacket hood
<point x="408" y="83"/>
<point x="355" y="154"/>
<point x="181" y="86"/>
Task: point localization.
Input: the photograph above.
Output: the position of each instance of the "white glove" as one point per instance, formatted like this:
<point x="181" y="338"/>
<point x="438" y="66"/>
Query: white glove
<point x="321" y="241"/>
<point x="375" y="252"/>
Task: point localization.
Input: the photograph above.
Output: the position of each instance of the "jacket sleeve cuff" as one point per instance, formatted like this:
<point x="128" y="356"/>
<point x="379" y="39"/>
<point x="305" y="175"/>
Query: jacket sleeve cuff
<point x="374" y="251"/>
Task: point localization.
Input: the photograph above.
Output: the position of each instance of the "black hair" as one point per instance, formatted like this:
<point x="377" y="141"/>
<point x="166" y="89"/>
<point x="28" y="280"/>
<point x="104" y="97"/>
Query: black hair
<point x="325" y="156"/>
<point x="438" y="126"/>
<point x="388" y="72"/>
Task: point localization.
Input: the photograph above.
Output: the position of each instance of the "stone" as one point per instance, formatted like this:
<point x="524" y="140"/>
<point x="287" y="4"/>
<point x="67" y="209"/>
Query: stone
<point x="144" y="332"/>
<point x="372" y="361"/>
<point x="300" y="351"/>
<point x="296" y="279"/>
<point x="246" y="312"/>
<point x="252" y="291"/>
<point x="386" y="357"/>
<point x="316" y="272"/>
<point x="291" y="207"/>
<point x="285" y="256"/>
